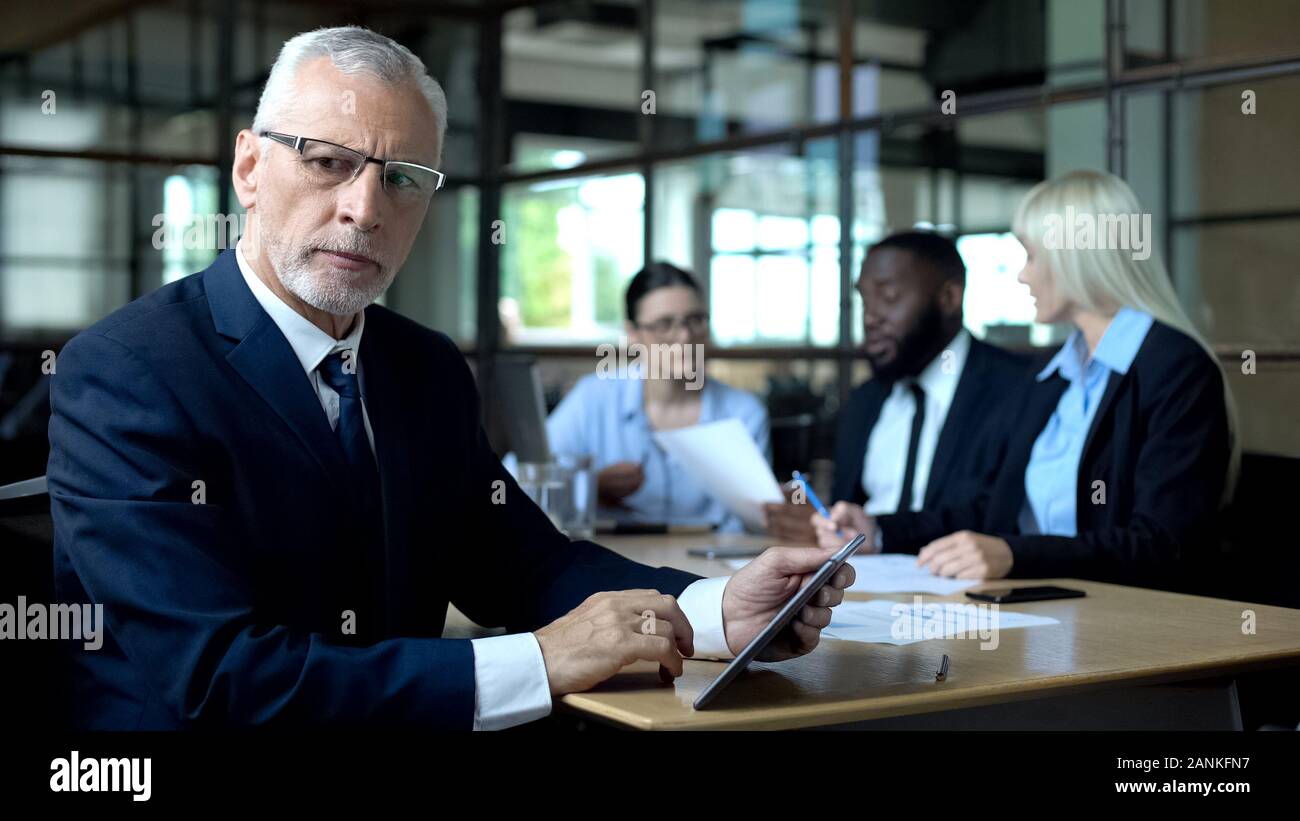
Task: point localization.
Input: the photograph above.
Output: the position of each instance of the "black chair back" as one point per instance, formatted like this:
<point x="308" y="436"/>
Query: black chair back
<point x="30" y="683"/>
<point x="1259" y="554"/>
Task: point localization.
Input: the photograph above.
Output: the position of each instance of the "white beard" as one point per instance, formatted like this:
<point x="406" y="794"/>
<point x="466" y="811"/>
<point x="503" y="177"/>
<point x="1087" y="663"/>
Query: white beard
<point x="335" y="292"/>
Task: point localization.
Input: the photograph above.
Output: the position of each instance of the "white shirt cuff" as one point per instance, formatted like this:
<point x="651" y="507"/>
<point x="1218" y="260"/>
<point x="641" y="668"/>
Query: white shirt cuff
<point x="702" y="604"/>
<point x="510" y="683"/>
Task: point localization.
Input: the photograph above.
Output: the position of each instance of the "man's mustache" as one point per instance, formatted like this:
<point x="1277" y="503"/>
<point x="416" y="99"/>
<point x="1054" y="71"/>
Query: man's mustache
<point x="355" y="245"/>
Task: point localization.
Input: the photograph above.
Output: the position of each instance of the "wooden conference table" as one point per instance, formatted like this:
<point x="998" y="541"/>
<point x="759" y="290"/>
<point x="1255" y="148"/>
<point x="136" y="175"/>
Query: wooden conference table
<point x="1121" y="658"/>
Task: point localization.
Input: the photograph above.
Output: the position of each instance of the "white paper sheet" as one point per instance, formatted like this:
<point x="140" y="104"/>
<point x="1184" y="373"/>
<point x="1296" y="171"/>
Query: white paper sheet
<point x="894" y="573"/>
<point x="898" y="573"/>
<point x="881" y="621"/>
<point x="726" y="462"/>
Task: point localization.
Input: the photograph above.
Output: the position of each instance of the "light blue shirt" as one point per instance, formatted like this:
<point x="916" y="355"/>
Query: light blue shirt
<point x="605" y="419"/>
<point x="1052" y="476"/>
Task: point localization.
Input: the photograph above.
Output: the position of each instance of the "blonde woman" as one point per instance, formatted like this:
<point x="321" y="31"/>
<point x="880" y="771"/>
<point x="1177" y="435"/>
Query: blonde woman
<point x="1120" y="452"/>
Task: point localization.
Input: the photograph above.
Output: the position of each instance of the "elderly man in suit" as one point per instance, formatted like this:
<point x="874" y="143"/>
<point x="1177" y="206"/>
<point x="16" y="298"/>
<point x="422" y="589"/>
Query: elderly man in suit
<point x="275" y="515"/>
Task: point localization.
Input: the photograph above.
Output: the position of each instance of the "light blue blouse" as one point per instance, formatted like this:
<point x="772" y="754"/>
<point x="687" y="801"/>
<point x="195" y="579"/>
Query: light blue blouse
<point x="605" y="419"/>
<point x="1051" y="478"/>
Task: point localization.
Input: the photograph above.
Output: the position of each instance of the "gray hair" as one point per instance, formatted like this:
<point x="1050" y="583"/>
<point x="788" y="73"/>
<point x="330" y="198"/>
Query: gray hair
<point x="353" y="51"/>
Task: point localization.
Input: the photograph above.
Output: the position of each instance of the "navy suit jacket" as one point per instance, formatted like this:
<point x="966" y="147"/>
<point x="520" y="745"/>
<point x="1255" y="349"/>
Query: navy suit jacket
<point x="968" y="451"/>
<point x="225" y="600"/>
<point x="1160" y="444"/>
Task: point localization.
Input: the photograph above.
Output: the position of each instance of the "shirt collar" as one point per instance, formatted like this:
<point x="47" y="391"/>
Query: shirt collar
<point x="939" y="381"/>
<point x="1119" y="345"/>
<point x="1116" y="350"/>
<point x="310" y="344"/>
<point x="631" y="397"/>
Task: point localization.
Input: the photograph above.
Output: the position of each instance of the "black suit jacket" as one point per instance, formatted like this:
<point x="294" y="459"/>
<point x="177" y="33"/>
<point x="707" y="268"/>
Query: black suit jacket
<point x="965" y="455"/>
<point x="1160" y="445"/>
<point x="226" y="607"/>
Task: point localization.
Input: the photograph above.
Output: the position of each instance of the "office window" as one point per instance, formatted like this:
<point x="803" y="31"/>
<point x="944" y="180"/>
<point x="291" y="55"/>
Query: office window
<point x="569" y="246"/>
<point x="65" y="273"/>
<point x="774" y="278"/>
<point x="733" y="67"/>
<point x="761" y="229"/>
<point x="191" y="233"/>
<point x="571" y="83"/>
<point x="997" y="307"/>
<point x="438" y="284"/>
<point x="1224" y="190"/>
<point x="1207" y="29"/>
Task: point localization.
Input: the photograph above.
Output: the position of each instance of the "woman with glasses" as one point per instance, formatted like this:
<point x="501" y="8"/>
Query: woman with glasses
<point x="612" y="416"/>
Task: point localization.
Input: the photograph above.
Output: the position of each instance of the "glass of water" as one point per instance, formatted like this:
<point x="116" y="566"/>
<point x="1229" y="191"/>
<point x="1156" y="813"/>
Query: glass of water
<point x="565" y="490"/>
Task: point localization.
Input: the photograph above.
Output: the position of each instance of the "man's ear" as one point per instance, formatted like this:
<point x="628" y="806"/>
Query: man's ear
<point x="244" y="171"/>
<point x="951" y="294"/>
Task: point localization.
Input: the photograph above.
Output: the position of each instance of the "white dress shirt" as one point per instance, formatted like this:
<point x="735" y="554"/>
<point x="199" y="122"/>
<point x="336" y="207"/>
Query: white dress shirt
<point x="886" y="456"/>
<point x="510" y="682"/>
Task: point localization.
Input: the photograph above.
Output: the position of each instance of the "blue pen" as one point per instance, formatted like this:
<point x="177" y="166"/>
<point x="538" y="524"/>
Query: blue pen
<point x="812" y="497"/>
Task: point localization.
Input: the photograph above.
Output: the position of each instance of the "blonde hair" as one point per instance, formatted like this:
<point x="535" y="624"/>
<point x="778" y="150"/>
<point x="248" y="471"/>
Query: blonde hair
<point x="1105" y="280"/>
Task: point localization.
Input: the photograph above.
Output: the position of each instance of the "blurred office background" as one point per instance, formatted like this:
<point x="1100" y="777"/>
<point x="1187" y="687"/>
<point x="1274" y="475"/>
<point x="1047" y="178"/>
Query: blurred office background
<point x="787" y="135"/>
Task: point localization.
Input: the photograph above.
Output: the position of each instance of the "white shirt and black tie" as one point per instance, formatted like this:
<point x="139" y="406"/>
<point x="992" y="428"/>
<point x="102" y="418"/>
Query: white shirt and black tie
<point x="885" y="467"/>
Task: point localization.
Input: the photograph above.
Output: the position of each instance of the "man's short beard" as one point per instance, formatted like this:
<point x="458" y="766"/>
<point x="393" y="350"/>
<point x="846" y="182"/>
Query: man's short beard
<point x="333" y="292"/>
<point x="917" y="348"/>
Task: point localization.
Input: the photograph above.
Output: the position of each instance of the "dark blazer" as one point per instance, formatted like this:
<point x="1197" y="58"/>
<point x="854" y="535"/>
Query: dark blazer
<point x="1159" y="442"/>
<point x="963" y="457"/>
<point x="230" y="611"/>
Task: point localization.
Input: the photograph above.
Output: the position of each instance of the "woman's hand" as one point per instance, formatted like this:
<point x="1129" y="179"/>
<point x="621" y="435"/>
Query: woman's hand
<point x="618" y="481"/>
<point x="967" y="555"/>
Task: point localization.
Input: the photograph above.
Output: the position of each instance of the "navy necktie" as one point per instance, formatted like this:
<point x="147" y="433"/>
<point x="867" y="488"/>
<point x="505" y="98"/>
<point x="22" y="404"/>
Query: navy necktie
<point x="340" y="374"/>
<point x="367" y="559"/>
<point x="913" y="444"/>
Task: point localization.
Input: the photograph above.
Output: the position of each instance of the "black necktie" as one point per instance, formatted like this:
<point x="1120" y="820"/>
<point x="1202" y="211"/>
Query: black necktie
<point x="913" y="444"/>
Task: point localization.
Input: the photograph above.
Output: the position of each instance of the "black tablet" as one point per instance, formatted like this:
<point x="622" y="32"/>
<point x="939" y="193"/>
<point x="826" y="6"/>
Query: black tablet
<point x="779" y="622"/>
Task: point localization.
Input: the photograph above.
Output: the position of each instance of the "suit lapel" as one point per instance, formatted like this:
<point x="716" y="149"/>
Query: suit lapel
<point x="264" y="358"/>
<point x="874" y="400"/>
<point x="1107" y="399"/>
<point x="965" y="403"/>
<point x="1043" y="405"/>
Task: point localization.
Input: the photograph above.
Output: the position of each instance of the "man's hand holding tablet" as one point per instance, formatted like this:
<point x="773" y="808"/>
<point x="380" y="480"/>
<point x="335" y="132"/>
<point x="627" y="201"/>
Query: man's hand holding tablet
<point x="607" y="631"/>
<point x="782" y="619"/>
<point x="758" y="591"/>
